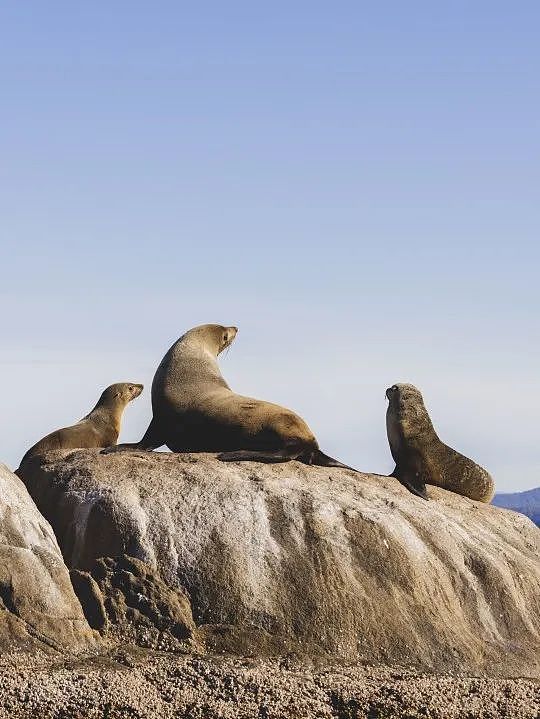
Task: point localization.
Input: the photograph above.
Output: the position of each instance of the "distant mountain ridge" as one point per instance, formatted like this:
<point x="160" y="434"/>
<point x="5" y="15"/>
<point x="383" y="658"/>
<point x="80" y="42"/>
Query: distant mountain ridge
<point x="527" y="503"/>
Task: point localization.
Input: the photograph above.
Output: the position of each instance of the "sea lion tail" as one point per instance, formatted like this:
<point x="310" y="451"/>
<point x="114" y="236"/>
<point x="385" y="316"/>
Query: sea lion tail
<point x="320" y="459"/>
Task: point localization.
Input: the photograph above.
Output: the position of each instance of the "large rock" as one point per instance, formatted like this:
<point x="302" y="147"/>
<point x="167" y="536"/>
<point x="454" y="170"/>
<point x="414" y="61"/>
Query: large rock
<point x="38" y="607"/>
<point x="286" y="557"/>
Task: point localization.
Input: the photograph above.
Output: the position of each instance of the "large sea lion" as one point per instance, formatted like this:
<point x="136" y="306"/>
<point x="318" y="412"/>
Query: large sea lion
<point x="420" y="456"/>
<point x="194" y="410"/>
<point x="100" y="428"/>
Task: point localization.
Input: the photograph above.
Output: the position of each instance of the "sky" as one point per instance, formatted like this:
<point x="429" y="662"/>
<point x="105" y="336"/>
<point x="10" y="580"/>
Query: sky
<point x="354" y="185"/>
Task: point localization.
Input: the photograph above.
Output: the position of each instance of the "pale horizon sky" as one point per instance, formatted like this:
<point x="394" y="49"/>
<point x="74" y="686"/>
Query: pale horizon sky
<point x="355" y="187"/>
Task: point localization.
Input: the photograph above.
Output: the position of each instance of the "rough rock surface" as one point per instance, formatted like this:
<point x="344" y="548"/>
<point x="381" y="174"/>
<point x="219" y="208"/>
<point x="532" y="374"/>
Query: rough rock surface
<point x="38" y="607"/>
<point x="125" y="598"/>
<point x="145" y="685"/>
<point x="286" y="557"/>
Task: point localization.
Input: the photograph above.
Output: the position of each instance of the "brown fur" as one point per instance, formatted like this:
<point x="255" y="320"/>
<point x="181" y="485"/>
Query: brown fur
<point x="194" y="409"/>
<point x="100" y="428"/>
<point x="421" y="458"/>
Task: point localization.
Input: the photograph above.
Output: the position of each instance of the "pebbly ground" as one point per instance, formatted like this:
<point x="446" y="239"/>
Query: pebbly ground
<point x="133" y="682"/>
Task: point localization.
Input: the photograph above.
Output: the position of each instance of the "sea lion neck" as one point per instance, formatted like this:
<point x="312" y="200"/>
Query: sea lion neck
<point x="194" y="355"/>
<point x="407" y="413"/>
<point x="415" y="422"/>
<point x="188" y="366"/>
<point x="108" y="412"/>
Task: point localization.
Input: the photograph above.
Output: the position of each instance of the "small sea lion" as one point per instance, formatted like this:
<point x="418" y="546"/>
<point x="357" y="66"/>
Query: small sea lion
<point x="194" y="410"/>
<point x="420" y="456"/>
<point x="100" y="428"/>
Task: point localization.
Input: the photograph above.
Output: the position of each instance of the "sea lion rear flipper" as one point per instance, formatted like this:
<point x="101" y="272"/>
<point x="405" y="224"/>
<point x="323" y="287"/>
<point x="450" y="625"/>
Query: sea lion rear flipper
<point x="413" y="482"/>
<point x="253" y="455"/>
<point x="320" y="459"/>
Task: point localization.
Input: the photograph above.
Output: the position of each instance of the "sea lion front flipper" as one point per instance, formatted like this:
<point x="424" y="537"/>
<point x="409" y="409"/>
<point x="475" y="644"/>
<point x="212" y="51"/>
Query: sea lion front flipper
<point x="125" y="447"/>
<point x="412" y="481"/>
<point x="151" y="440"/>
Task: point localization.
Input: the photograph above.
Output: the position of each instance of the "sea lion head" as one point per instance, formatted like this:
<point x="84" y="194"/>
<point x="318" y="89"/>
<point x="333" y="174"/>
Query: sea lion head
<point x="214" y="338"/>
<point x="121" y="392"/>
<point x="406" y="408"/>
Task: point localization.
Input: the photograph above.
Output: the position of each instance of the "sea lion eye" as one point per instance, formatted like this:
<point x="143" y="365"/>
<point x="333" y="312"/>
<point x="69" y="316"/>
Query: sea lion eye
<point x="130" y="388"/>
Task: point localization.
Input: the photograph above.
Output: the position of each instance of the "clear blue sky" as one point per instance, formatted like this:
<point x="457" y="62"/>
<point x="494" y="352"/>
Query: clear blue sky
<point x="355" y="185"/>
